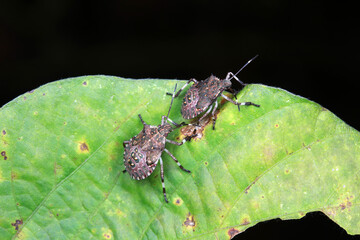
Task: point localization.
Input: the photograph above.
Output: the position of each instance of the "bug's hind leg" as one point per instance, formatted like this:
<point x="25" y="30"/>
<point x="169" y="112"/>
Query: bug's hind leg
<point x="205" y="114"/>
<point x="162" y="179"/>
<point x="178" y="93"/>
<point x="177" y="162"/>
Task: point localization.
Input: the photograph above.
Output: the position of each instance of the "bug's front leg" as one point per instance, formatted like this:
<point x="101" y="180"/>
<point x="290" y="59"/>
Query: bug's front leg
<point x="237" y="103"/>
<point x="178" y="93"/>
<point x="162" y="179"/>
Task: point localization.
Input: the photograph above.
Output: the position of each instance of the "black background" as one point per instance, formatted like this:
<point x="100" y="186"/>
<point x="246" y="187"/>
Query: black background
<point x="306" y="47"/>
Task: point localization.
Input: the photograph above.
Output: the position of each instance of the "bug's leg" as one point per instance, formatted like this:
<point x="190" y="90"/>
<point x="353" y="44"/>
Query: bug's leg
<point x="205" y="114"/>
<point x="162" y="178"/>
<point x="142" y="121"/>
<point x="213" y="114"/>
<point x="231" y="75"/>
<point x="177" y="162"/>
<point x="125" y="143"/>
<point x="237" y="103"/>
<point x="176" y="124"/>
<point x="178" y="93"/>
<point x="176" y="143"/>
<point x="124" y="171"/>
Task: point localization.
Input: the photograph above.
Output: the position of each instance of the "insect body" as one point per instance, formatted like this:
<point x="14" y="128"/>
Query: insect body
<point x="202" y="95"/>
<point x="143" y="152"/>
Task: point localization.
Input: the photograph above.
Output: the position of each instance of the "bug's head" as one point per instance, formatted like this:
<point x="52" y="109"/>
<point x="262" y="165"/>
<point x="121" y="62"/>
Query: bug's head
<point x="226" y="84"/>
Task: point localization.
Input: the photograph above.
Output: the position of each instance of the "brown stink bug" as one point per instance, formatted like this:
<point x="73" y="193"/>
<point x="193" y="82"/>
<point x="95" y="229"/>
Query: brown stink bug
<point x="202" y="95"/>
<point x="143" y="152"/>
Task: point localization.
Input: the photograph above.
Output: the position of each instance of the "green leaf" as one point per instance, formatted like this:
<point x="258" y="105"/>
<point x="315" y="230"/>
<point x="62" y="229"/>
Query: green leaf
<point x="62" y="159"/>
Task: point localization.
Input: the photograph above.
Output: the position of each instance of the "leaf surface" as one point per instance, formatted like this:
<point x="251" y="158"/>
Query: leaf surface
<point x="62" y="160"/>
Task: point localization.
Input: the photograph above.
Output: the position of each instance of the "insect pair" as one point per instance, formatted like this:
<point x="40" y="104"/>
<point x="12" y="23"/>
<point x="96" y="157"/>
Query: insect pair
<point x="143" y="152"/>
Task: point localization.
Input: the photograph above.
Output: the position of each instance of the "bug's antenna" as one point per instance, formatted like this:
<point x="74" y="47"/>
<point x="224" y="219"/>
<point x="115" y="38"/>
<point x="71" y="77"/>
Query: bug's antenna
<point x="234" y="76"/>
<point x="172" y="99"/>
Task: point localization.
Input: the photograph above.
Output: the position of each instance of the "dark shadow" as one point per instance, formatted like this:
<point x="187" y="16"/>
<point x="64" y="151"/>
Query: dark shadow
<point x="314" y="225"/>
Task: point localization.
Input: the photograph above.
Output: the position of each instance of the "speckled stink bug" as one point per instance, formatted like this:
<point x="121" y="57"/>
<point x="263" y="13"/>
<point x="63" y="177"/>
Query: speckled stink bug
<point x="202" y="95"/>
<point x="143" y="152"/>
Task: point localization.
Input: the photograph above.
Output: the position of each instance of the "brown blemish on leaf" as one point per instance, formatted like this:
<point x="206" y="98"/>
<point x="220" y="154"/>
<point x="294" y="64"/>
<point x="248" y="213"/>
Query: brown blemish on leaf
<point x="248" y="187"/>
<point x="233" y="232"/>
<point x="83" y="147"/>
<point x="3" y="132"/>
<point x="3" y="154"/>
<point x="190" y="221"/>
<point x="245" y="221"/>
<point x="346" y="203"/>
<point x="84" y="83"/>
<point x="17" y="224"/>
<point x="276" y="125"/>
<point x="206" y="163"/>
<point x="56" y="167"/>
<point x="13" y="175"/>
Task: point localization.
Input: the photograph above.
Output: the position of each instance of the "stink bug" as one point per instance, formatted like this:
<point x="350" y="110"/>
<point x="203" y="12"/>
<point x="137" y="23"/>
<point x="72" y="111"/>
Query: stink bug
<point x="143" y="152"/>
<point x="202" y="95"/>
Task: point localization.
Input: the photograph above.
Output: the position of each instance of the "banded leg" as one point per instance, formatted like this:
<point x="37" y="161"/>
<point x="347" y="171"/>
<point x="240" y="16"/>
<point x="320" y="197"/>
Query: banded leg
<point x="213" y="114"/>
<point x="177" y="162"/>
<point x="142" y="121"/>
<point x="162" y="179"/>
<point x="237" y="103"/>
<point x="178" y="93"/>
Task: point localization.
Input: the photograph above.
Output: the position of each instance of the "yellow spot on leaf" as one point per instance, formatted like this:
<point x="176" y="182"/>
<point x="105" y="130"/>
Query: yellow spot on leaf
<point x="178" y="201"/>
<point x="107" y="233"/>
